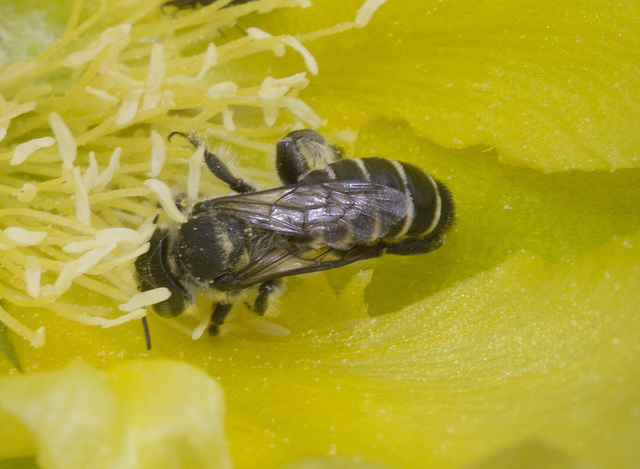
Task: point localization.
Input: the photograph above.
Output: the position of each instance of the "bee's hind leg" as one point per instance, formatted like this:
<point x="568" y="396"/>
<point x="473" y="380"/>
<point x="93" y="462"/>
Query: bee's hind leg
<point x="262" y="300"/>
<point x="217" y="317"/>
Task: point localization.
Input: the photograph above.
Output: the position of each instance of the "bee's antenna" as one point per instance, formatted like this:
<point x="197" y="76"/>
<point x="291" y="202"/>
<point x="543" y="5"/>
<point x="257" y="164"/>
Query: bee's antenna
<point x="182" y="134"/>
<point x="147" y="336"/>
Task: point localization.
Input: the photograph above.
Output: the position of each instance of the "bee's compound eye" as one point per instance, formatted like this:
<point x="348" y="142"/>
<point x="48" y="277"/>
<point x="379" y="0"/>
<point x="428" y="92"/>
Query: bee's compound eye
<point x="154" y="271"/>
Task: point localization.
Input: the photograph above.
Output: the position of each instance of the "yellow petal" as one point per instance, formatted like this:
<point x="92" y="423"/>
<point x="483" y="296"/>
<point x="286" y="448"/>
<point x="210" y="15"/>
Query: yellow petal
<point x="550" y="86"/>
<point x="520" y="328"/>
<point x="137" y="414"/>
<point x="530" y="349"/>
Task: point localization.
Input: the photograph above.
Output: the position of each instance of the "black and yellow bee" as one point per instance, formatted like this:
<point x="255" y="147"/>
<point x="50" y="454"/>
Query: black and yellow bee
<point x="330" y="212"/>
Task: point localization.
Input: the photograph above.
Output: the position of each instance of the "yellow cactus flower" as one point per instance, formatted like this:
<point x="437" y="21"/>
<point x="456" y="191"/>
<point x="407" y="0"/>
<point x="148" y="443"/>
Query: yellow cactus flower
<point x="512" y="345"/>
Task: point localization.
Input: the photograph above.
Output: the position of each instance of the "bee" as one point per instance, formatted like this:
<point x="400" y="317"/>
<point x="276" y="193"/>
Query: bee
<point x="329" y="212"/>
<point x="191" y="4"/>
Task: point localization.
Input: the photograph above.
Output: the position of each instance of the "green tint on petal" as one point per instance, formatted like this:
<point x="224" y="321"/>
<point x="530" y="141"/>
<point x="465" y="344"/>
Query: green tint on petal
<point x="531" y="454"/>
<point x="7" y="348"/>
<point x="17" y="441"/>
<point x="331" y="462"/>
<point x="27" y="28"/>
<point x="19" y="463"/>
<point x="551" y="86"/>
<point x="136" y="415"/>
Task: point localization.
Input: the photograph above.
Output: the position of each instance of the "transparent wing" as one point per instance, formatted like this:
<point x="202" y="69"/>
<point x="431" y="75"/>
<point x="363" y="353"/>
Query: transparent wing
<point x="284" y="261"/>
<point x="339" y="214"/>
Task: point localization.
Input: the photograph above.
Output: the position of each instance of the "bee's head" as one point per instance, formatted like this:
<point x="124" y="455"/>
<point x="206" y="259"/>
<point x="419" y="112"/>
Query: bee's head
<point x="156" y="269"/>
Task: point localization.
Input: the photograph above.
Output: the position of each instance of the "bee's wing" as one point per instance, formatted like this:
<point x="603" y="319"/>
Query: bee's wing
<point x="340" y="214"/>
<point x="293" y="259"/>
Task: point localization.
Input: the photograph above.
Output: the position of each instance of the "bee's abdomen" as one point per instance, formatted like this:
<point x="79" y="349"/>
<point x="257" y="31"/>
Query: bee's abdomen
<point x="428" y="204"/>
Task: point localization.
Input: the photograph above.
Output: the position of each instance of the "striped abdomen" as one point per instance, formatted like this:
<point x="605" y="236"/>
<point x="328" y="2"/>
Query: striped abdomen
<point x="428" y="204"/>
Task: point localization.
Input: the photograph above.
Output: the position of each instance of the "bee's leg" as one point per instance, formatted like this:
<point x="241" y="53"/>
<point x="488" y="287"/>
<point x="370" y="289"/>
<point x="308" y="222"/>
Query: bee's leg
<point x="301" y="150"/>
<point x="291" y="163"/>
<point x="217" y="167"/>
<point x="217" y="317"/>
<point x="262" y="301"/>
<point x="220" y="171"/>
